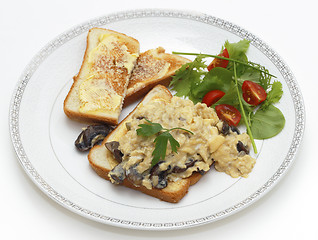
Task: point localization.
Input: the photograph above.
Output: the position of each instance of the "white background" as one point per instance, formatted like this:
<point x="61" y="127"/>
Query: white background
<point x="289" y="211"/>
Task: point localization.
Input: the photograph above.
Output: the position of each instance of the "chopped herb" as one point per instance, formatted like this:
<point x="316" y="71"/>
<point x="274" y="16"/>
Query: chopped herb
<point x="161" y="140"/>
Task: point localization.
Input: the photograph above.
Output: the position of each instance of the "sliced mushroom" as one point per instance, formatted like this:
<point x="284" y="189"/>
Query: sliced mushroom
<point x="155" y="170"/>
<point x="91" y="136"/>
<point x="226" y="128"/>
<point x="242" y="148"/>
<point x="117" y="174"/>
<point x="161" y="182"/>
<point x="134" y="176"/>
<point x="128" y="126"/>
<point x="158" y="177"/>
<point x="113" y="148"/>
<point x="202" y="172"/>
<point x="189" y="163"/>
<point x="235" y="129"/>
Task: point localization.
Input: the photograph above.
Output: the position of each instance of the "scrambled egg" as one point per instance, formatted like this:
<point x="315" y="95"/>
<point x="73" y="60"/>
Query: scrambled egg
<point x="196" y="153"/>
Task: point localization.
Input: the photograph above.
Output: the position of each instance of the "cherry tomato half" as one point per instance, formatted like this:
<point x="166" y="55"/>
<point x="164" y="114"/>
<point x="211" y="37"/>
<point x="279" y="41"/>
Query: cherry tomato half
<point x="217" y="62"/>
<point x="228" y="114"/>
<point x="212" y="97"/>
<point x="253" y="93"/>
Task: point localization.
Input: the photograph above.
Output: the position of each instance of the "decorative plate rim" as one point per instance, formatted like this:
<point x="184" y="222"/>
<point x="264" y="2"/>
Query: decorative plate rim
<point x="141" y="13"/>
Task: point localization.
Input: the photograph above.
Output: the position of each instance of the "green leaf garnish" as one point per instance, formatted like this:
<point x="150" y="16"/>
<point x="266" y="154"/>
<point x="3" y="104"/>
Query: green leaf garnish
<point x="187" y="76"/>
<point x="161" y="141"/>
<point x="217" y="78"/>
<point x="267" y="123"/>
<point x="274" y="95"/>
<point x="238" y="51"/>
<point x="148" y="129"/>
<point x="193" y="81"/>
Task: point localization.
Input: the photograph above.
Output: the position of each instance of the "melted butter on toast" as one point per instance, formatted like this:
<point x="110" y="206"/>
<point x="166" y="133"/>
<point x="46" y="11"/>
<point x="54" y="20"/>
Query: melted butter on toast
<point x="110" y="64"/>
<point x="149" y="66"/>
<point x="97" y="96"/>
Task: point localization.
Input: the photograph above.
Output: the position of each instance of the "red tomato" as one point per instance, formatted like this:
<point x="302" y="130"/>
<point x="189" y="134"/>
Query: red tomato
<point x="217" y="62"/>
<point x="228" y="114"/>
<point x="212" y="97"/>
<point x="253" y="93"/>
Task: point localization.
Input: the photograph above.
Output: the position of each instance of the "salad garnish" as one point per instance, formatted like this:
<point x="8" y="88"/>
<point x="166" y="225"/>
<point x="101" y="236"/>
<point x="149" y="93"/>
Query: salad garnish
<point x="241" y="84"/>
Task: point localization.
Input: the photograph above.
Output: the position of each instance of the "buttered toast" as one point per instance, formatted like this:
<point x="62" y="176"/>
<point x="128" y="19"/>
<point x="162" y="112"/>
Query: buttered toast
<point x="153" y="67"/>
<point x="113" y="73"/>
<point x="103" y="161"/>
<point x="100" y="86"/>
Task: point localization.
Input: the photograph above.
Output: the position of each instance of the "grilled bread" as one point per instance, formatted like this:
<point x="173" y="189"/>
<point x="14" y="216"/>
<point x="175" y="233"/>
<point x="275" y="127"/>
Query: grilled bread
<point x="103" y="161"/>
<point x="153" y="67"/>
<point x="113" y="73"/>
<point x="100" y="86"/>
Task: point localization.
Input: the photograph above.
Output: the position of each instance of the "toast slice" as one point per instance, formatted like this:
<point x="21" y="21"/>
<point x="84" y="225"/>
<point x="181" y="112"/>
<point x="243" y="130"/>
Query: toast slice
<point x="100" y="86"/>
<point x="103" y="161"/>
<point x="153" y="67"/>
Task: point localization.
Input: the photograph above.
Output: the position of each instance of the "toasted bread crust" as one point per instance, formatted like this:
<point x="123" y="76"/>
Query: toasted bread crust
<point x="139" y="93"/>
<point x="162" y="194"/>
<point x="165" y="194"/>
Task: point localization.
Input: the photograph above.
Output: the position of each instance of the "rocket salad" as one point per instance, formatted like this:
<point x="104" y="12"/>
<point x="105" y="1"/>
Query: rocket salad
<point x="242" y="92"/>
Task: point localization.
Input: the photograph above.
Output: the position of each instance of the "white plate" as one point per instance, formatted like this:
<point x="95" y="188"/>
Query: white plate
<point x="43" y="137"/>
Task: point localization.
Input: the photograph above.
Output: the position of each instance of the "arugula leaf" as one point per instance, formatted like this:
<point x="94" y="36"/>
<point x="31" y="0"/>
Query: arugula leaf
<point x="274" y="95"/>
<point x="264" y="78"/>
<point x="237" y="51"/>
<point x="161" y="141"/>
<point x="230" y="97"/>
<point x="250" y="74"/>
<point x="188" y="75"/>
<point x="218" y="78"/>
<point x="267" y="123"/>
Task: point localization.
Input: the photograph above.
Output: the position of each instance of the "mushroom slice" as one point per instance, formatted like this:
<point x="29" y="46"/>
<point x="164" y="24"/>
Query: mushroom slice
<point x="158" y="177"/>
<point x="235" y="129"/>
<point x="113" y="148"/>
<point x="242" y="148"/>
<point x="91" y="136"/>
<point x="189" y="163"/>
<point x="226" y="129"/>
<point x="117" y="174"/>
<point x="134" y="176"/>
